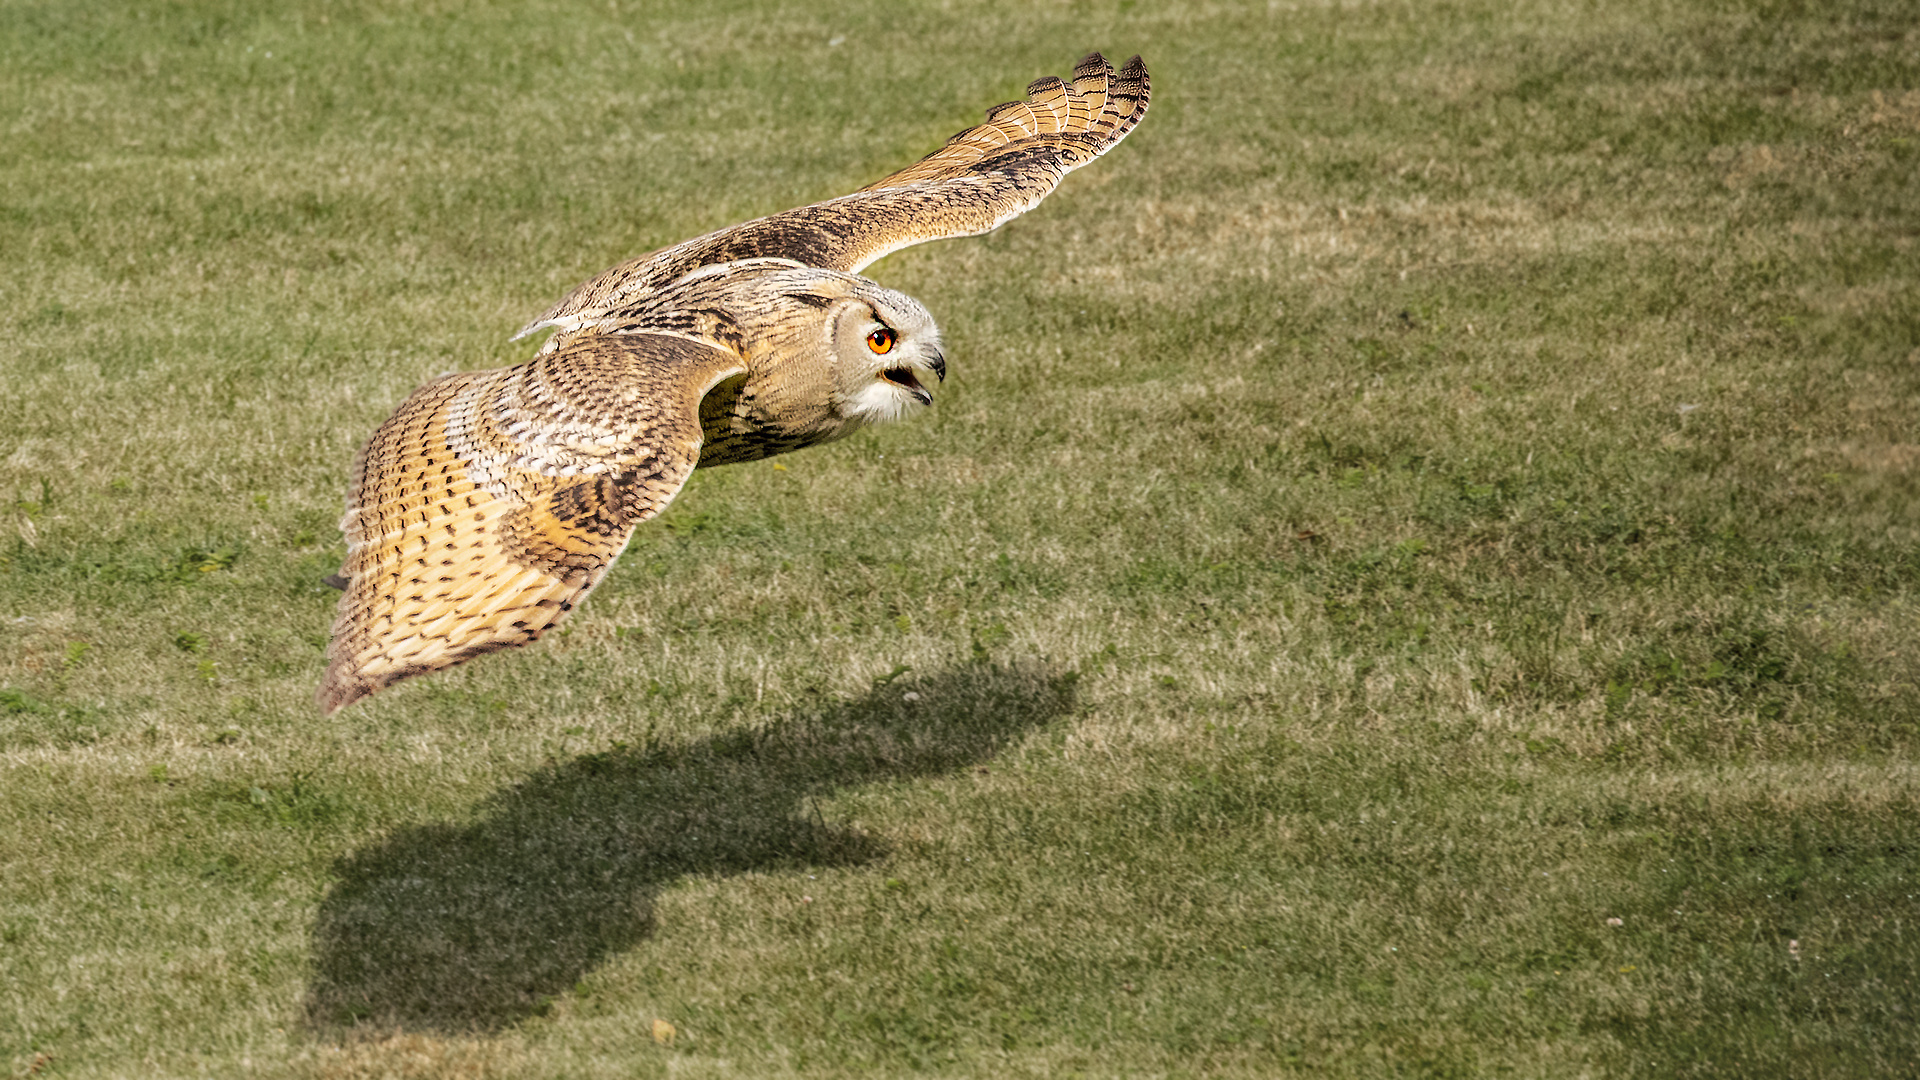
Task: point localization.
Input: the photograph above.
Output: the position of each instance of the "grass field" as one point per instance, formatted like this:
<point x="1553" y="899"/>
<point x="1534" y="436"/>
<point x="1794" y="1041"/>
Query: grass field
<point x="1416" y="571"/>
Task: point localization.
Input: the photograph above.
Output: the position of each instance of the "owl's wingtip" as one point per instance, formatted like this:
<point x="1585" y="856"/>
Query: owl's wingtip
<point x="337" y="691"/>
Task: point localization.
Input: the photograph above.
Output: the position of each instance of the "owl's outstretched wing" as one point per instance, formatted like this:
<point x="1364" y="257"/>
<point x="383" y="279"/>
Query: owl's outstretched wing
<point x="983" y="177"/>
<point x="490" y="503"/>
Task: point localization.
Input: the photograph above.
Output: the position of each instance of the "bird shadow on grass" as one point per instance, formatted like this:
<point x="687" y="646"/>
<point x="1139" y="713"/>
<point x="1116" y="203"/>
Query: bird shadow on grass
<point x="471" y="928"/>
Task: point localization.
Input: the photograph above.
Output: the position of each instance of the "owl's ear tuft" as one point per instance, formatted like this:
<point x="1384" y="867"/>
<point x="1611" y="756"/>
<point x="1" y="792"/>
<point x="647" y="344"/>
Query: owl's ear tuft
<point x="815" y="299"/>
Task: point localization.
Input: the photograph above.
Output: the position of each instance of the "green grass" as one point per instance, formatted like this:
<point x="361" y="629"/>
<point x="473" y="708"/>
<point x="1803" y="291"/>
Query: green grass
<point x="1450" y="480"/>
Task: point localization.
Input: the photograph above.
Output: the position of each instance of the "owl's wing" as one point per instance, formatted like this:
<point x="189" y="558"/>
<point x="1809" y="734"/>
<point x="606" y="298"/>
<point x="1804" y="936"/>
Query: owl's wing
<point x="490" y="503"/>
<point x="983" y="177"/>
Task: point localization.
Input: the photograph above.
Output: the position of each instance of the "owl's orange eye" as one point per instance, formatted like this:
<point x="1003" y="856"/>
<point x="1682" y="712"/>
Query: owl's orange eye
<point x="881" y="341"/>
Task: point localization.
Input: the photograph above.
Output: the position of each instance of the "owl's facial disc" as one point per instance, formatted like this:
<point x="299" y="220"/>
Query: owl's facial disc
<point x="881" y="343"/>
<point x="896" y="362"/>
<point x="911" y="363"/>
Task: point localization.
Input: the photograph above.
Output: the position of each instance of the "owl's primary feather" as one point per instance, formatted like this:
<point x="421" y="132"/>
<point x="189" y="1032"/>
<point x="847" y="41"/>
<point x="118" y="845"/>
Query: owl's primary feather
<point x="491" y="502"/>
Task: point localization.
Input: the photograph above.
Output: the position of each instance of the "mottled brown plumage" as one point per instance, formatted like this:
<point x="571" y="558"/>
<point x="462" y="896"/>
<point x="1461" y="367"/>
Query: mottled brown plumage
<point x="982" y="178"/>
<point x="491" y="502"/>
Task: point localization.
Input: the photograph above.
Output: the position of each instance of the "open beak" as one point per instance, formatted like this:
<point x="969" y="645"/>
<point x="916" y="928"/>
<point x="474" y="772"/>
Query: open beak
<point x="904" y="377"/>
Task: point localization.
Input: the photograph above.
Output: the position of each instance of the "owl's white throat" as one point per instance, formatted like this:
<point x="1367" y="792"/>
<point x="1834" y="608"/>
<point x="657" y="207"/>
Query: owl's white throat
<point x="896" y="392"/>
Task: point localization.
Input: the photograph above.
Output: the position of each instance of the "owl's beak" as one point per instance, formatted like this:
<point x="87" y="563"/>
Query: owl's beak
<point x="903" y="378"/>
<point x="939" y="366"/>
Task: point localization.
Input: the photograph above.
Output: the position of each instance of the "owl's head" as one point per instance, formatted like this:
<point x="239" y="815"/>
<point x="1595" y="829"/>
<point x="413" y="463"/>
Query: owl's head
<point x="886" y="353"/>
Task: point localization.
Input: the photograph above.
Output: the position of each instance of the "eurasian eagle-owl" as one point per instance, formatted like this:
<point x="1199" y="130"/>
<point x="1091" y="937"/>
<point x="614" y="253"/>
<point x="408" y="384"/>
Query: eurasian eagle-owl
<point x="491" y="502"/>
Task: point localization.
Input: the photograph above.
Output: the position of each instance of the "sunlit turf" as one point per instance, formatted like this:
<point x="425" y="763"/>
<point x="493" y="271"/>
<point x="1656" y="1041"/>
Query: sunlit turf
<point x="1414" y="573"/>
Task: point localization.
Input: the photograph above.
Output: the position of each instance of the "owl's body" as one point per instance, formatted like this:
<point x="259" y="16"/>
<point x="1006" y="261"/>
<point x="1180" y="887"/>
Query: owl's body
<point x="491" y="502"/>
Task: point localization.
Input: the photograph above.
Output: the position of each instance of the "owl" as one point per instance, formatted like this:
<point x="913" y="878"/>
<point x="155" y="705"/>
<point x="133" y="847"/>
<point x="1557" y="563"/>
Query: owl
<point x="490" y="503"/>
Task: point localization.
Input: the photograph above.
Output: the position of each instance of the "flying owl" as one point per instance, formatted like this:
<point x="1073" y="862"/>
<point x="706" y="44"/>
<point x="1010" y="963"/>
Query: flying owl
<point x="492" y="502"/>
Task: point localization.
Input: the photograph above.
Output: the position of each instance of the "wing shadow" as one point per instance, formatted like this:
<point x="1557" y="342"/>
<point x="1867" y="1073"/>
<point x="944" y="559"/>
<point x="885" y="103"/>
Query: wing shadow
<point x="460" y="928"/>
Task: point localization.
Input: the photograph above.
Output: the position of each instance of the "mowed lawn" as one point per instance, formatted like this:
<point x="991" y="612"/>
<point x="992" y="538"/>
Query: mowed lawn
<point x="1415" y="572"/>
